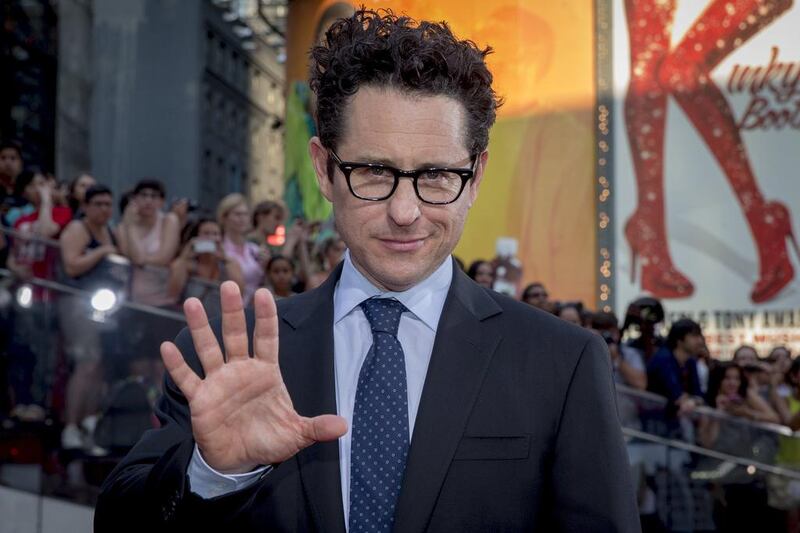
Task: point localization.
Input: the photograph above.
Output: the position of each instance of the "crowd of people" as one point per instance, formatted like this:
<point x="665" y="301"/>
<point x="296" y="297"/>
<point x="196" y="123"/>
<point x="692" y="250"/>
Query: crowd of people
<point x="155" y="255"/>
<point x="172" y="252"/>
<point x="679" y="366"/>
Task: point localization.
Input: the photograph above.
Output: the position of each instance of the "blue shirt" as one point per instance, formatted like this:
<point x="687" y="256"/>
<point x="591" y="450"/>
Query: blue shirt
<point x="352" y="338"/>
<point x="665" y="376"/>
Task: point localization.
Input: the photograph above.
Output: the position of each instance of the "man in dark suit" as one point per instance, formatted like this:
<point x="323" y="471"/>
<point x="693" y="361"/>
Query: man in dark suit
<point x="458" y="409"/>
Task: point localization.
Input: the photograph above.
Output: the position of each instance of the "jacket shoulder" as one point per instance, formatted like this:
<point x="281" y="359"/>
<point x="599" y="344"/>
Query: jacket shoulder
<point x="526" y="320"/>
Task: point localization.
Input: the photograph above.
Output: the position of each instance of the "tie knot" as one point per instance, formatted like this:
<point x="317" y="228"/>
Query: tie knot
<point x="383" y="314"/>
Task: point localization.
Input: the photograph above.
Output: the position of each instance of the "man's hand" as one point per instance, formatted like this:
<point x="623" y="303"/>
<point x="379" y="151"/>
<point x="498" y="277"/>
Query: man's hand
<point x="45" y="194"/>
<point x="686" y="404"/>
<point x="613" y="350"/>
<point x="131" y="214"/>
<point x="187" y="252"/>
<point x="242" y="415"/>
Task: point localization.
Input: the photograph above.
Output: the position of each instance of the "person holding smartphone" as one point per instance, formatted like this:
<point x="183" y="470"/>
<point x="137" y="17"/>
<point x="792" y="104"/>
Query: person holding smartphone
<point x="202" y="265"/>
<point x="233" y="216"/>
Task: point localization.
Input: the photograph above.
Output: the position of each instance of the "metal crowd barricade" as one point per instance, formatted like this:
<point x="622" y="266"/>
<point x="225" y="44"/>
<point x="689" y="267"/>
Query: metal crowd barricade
<point x="735" y="481"/>
<point x="49" y="325"/>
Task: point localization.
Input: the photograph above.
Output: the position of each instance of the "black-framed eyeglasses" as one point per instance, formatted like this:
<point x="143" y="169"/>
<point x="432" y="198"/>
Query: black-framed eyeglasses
<point x="376" y="182"/>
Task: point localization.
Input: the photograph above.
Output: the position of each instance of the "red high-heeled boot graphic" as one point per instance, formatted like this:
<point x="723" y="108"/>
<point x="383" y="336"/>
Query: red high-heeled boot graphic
<point x="645" y="114"/>
<point x="685" y="73"/>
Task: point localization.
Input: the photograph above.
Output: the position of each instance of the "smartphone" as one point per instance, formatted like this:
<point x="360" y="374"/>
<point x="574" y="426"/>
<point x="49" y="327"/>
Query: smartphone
<point x="735" y="399"/>
<point x="205" y="246"/>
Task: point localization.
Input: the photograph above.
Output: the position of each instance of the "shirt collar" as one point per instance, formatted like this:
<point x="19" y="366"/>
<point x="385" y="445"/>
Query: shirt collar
<point x="425" y="299"/>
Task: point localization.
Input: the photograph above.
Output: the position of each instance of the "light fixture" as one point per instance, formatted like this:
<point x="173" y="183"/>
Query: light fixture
<point x="104" y="300"/>
<point x="25" y="296"/>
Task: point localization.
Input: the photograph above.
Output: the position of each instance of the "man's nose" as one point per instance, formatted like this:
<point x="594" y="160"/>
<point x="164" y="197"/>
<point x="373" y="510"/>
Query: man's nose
<point x="404" y="204"/>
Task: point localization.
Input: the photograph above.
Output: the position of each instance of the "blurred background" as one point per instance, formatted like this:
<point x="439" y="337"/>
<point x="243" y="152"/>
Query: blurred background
<point x="642" y="182"/>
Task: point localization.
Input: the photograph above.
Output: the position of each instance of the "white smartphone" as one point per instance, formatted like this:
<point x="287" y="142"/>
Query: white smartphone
<point x="205" y="246"/>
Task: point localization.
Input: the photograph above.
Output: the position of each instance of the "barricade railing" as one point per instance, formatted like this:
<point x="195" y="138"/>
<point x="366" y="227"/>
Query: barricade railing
<point x="745" y="478"/>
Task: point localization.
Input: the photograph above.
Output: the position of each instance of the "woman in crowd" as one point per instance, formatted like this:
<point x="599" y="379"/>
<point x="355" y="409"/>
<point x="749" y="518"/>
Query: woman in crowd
<point x="757" y="371"/>
<point x="201" y="266"/>
<point x="85" y="243"/>
<point x="482" y="273"/>
<point x="331" y="253"/>
<point x="784" y="493"/>
<point x="31" y="351"/>
<point x="280" y="275"/>
<point x="780" y="388"/>
<point x="729" y="391"/>
<point x="149" y="238"/>
<point x="76" y="195"/>
<point x="233" y="215"/>
<point x="788" y="405"/>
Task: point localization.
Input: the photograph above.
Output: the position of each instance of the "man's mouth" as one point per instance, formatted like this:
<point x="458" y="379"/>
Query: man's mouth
<point x="404" y="244"/>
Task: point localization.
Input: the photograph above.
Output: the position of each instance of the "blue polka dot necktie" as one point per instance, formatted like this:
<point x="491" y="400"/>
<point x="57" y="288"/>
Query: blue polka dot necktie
<point x="380" y="423"/>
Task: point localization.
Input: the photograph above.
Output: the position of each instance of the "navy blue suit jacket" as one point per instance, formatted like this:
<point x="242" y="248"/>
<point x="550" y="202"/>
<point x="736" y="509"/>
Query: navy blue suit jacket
<point x="517" y="430"/>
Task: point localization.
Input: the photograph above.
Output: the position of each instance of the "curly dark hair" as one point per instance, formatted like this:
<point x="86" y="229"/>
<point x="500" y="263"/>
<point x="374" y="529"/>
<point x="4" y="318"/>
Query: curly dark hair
<point x="379" y="48"/>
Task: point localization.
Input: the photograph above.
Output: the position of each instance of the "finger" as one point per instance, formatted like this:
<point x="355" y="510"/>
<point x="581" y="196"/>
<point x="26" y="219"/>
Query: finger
<point x="234" y="327"/>
<point x="265" y="338"/>
<point x="324" y="428"/>
<point x="183" y="376"/>
<point x="205" y="342"/>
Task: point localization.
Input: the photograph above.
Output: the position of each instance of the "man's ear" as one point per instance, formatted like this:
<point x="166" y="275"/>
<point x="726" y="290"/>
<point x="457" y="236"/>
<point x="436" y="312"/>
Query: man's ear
<point x="475" y="182"/>
<point x="319" y="157"/>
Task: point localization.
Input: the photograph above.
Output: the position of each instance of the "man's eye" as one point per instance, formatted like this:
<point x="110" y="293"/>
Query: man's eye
<point x="432" y="175"/>
<point x="379" y="172"/>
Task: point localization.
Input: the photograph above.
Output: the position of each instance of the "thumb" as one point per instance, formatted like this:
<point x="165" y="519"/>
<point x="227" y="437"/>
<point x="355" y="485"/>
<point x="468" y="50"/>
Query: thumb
<point x="324" y="428"/>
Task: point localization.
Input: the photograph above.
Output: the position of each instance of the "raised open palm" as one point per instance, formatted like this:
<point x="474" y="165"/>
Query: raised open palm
<point x="242" y="415"/>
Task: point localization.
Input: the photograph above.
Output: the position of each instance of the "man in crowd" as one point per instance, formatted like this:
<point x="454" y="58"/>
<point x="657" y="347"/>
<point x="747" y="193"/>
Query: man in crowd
<point x="457" y="409"/>
<point x="672" y="372"/>
<point x="10" y="168"/>
<point x="643" y="316"/>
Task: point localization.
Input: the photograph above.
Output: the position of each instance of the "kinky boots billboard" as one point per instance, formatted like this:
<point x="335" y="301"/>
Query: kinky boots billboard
<point x="706" y="164"/>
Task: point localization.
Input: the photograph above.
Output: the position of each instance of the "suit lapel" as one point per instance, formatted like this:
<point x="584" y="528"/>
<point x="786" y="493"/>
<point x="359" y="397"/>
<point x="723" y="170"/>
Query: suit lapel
<point x="308" y="366"/>
<point x="461" y="355"/>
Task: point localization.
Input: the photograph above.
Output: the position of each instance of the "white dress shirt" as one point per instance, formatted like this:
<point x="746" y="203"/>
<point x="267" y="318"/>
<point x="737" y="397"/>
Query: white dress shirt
<point x="352" y="338"/>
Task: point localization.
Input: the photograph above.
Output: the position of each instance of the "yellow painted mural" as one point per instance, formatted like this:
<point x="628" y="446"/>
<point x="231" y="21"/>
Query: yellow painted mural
<point x="539" y="185"/>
